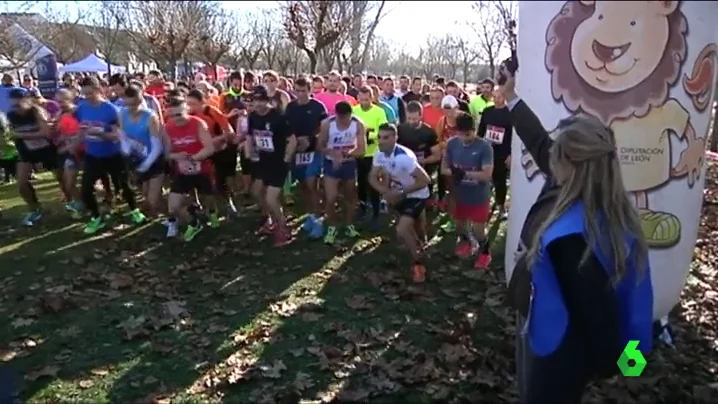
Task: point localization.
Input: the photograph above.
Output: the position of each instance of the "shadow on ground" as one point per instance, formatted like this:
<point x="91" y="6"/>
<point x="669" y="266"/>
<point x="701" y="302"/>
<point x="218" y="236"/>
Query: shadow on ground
<point x="129" y="317"/>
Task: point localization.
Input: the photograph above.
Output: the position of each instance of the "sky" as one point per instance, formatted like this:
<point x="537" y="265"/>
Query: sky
<point x="442" y="20"/>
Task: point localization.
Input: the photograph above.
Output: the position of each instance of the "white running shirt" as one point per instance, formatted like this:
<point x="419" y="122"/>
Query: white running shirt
<point x="399" y="165"/>
<point x="342" y="140"/>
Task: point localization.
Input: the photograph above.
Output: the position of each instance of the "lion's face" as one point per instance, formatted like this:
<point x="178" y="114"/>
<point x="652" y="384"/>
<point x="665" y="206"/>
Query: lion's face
<point x="621" y="43"/>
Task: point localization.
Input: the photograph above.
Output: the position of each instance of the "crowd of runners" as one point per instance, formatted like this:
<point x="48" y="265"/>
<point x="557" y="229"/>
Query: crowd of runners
<point x="368" y="143"/>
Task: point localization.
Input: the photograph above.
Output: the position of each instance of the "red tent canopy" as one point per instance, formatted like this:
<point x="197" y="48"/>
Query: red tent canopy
<point x="210" y="73"/>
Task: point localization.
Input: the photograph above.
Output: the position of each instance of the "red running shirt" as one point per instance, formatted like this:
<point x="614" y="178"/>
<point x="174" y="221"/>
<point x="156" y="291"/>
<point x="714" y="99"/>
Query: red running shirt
<point x="185" y="139"/>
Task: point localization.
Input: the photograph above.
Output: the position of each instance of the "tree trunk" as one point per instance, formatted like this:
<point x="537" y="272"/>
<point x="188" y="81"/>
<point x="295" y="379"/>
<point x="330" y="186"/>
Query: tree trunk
<point x="492" y="67"/>
<point x="312" y="61"/>
<point x="173" y="68"/>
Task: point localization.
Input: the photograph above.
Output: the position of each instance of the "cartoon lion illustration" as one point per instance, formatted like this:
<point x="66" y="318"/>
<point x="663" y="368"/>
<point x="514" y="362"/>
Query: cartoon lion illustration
<point x="617" y="61"/>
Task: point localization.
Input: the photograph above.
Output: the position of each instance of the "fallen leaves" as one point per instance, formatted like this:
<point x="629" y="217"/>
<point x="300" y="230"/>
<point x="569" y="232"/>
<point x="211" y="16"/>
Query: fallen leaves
<point x="45" y="371"/>
<point x="22" y="322"/>
<point x="274" y="371"/>
<point x="344" y="330"/>
<point x="359" y="302"/>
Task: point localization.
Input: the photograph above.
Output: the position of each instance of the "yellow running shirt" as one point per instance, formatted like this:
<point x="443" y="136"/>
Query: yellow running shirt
<point x="372" y="119"/>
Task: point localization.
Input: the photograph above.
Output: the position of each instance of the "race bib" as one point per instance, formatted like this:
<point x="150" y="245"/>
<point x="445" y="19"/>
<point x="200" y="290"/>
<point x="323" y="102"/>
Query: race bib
<point x="342" y="149"/>
<point x="138" y="149"/>
<point x="495" y="134"/>
<point x="189" y="167"/>
<point x="36" y="144"/>
<point x="303" y="159"/>
<point x="395" y="185"/>
<point x="264" y="143"/>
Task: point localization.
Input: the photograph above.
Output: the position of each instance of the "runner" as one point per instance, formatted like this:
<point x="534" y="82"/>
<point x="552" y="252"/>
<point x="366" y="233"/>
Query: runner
<point x="343" y="90"/>
<point x="483" y="100"/>
<point x="278" y="97"/>
<point x="317" y="85"/>
<point x="403" y="86"/>
<point x="305" y="116"/>
<point x="342" y="139"/>
<point x="32" y="138"/>
<point x="446" y="129"/>
<point x="371" y="80"/>
<point x="8" y="151"/>
<point x="99" y="121"/>
<point x="468" y="160"/>
<point x="275" y="146"/>
<point x="118" y="84"/>
<point x="234" y="106"/>
<point x="394" y="101"/>
<point x="406" y="190"/>
<point x="357" y="82"/>
<point x="453" y="89"/>
<point x="333" y="95"/>
<point x="190" y="147"/>
<point x="224" y="159"/>
<point x="250" y="81"/>
<point x="496" y="128"/>
<point x="372" y="116"/>
<point x="433" y="112"/>
<point x="388" y="110"/>
<point x="155" y="85"/>
<point x="50" y="106"/>
<point x="414" y="94"/>
<point x="421" y="139"/>
<point x="142" y="145"/>
<point x="69" y="150"/>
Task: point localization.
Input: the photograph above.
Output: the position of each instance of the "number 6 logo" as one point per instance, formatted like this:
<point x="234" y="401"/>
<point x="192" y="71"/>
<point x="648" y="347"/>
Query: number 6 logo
<point x="631" y="353"/>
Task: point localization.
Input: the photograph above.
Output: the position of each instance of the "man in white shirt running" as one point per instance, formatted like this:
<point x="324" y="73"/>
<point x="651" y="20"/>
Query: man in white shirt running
<point x="397" y="175"/>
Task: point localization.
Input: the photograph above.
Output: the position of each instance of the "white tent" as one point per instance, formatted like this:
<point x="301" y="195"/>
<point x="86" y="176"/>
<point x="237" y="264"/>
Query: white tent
<point x="91" y="64"/>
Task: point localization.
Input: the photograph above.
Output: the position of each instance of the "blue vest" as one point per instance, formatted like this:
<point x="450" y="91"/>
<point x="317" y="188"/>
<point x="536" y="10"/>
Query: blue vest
<point x="393" y="103"/>
<point x="547" y="322"/>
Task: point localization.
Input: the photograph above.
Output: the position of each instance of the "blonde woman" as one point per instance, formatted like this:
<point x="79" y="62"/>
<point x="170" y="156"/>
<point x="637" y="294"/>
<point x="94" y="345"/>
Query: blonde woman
<point x="582" y="282"/>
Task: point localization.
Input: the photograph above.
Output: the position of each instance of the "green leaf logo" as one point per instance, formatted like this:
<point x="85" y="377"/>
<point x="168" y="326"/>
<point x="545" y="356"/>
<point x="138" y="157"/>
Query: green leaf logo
<point x="631" y="352"/>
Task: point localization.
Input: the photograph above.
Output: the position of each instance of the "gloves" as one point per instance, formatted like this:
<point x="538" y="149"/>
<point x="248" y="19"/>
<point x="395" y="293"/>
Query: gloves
<point x="458" y="174"/>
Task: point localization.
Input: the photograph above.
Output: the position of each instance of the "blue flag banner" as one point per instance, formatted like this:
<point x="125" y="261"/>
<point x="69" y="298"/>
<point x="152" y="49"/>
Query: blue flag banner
<point x="47" y="75"/>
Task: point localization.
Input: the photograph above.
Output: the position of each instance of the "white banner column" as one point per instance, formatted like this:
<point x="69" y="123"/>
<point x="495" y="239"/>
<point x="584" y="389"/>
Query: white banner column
<point x="648" y="70"/>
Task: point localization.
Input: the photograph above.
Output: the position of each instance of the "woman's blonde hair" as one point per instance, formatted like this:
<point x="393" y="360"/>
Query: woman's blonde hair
<point x="584" y="162"/>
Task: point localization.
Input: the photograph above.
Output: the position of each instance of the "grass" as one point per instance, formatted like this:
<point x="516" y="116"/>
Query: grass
<point x="127" y="316"/>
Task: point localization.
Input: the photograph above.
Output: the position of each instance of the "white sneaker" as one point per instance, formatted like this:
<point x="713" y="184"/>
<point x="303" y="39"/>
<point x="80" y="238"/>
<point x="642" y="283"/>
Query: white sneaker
<point x="172" y="230"/>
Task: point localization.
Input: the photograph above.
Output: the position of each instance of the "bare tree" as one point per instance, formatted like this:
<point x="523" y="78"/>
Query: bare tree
<point x="270" y="38"/>
<point x="312" y="25"/>
<point x="23" y="33"/>
<point x="366" y="16"/>
<point x="489" y="32"/>
<point x="468" y="55"/>
<point x="249" y="44"/>
<point x="286" y="54"/>
<point x="164" y="31"/>
<point x="72" y="43"/>
<point x="218" y="33"/>
<point x="106" y="25"/>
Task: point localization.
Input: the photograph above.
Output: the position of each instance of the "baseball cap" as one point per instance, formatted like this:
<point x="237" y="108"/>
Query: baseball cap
<point x="260" y="93"/>
<point x="449" y="101"/>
